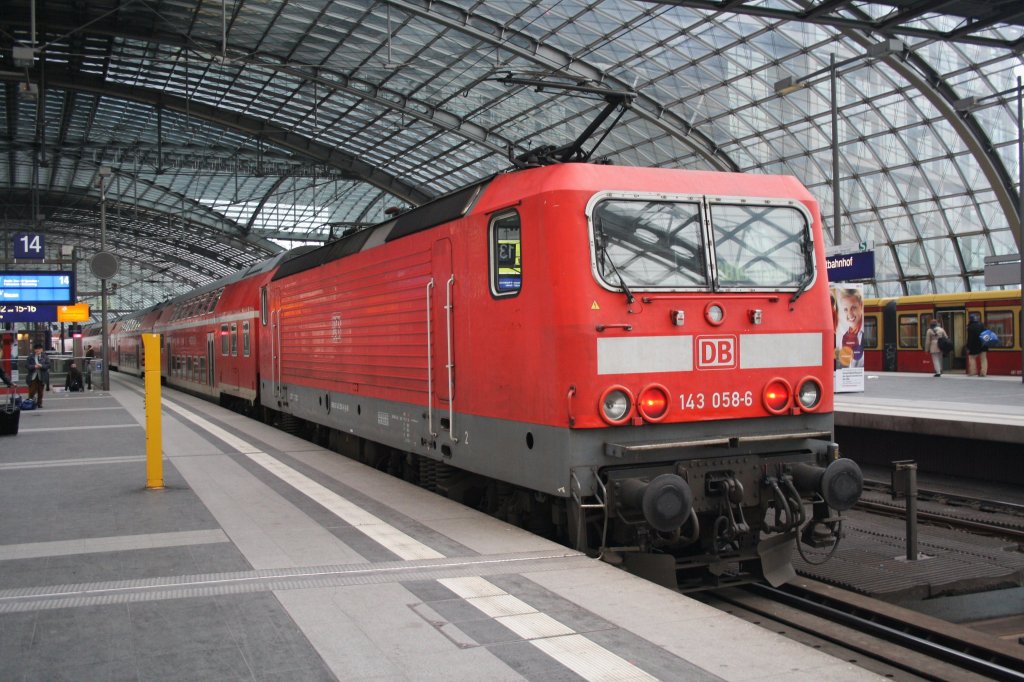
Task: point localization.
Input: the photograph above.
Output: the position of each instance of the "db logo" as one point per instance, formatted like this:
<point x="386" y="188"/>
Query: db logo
<point x="716" y="352"/>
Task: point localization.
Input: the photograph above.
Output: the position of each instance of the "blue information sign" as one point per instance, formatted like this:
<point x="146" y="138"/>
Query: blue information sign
<point x="28" y="245"/>
<point x="56" y="287"/>
<point x="844" y="267"/>
<point x="27" y="312"/>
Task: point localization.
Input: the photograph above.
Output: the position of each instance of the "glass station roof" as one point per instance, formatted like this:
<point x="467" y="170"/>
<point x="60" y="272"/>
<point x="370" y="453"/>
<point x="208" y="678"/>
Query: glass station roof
<point x="231" y="128"/>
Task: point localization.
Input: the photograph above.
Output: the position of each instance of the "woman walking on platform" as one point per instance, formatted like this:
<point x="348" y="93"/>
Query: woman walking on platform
<point x="931" y="344"/>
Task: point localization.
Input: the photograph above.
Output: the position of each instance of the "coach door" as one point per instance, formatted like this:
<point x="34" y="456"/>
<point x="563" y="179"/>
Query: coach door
<point x="954" y="321"/>
<point x="440" y="341"/>
<point x="210" y="355"/>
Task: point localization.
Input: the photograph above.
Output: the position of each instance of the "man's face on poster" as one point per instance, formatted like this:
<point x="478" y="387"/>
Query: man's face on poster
<point x="853" y="311"/>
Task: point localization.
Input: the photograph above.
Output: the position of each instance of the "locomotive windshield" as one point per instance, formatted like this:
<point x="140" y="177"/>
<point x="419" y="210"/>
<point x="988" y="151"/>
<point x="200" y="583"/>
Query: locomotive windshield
<point x="658" y="244"/>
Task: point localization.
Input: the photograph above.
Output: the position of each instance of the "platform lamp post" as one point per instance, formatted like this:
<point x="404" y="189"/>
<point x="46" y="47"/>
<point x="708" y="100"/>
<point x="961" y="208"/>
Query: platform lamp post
<point x="789" y="84"/>
<point x="1019" y="71"/>
<point x="969" y="104"/>
<point x="104" y="266"/>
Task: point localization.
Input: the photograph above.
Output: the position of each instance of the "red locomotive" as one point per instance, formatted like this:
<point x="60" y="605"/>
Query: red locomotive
<point x="640" y="359"/>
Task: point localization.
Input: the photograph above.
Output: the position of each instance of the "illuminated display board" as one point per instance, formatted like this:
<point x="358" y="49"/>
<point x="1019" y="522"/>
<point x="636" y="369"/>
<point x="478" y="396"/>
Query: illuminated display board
<point x="27" y="312"/>
<point x="37" y="287"/>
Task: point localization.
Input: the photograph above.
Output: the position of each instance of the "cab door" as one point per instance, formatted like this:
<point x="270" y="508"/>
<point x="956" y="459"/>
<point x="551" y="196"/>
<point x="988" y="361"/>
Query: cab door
<point x="440" y="340"/>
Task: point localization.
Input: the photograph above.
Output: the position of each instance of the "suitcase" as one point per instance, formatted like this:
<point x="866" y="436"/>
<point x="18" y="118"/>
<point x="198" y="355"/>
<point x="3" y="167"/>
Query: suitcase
<point x="10" y="415"/>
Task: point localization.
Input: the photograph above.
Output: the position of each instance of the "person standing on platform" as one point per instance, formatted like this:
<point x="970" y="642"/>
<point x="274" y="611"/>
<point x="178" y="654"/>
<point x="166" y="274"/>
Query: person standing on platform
<point x="931" y="344"/>
<point x="90" y="353"/>
<point x="976" y="353"/>
<point x="38" y="373"/>
<point x="75" y="381"/>
<point x="4" y="379"/>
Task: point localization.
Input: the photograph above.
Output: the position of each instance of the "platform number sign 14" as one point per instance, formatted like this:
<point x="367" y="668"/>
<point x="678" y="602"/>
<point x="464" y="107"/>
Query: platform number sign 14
<point x="28" y="245"/>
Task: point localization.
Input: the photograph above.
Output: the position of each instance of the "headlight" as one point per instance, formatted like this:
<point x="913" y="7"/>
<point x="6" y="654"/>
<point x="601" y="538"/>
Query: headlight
<point x="653" y="403"/>
<point x="776" y="396"/>
<point x="616" y="405"/>
<point x="714" y="313"/>
<point x="809" y="394"/>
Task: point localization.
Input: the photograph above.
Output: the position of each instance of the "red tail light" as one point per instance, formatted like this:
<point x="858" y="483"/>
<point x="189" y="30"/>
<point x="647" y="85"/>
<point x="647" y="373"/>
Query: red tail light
<point x="776" y="396"/>
<point x="653" y="403"/>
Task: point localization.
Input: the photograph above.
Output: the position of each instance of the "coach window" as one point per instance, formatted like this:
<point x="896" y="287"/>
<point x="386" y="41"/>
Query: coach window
<point x="1001" y="322"/>
<point x="263" y="306"/>
<point x="908" y="332"/>
<point x="506" y="255"/>
<point x="761" y="245"/>
<point x="234" y="338"/>
<point x="870" y="339"/>
<point x="224" y="340"/>
<point x="245" y="338"/>
<point x="649" y="244"/>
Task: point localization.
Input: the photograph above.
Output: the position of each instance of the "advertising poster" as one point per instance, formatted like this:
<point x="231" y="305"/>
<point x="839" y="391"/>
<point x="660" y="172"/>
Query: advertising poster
<point x="848" y="315"/>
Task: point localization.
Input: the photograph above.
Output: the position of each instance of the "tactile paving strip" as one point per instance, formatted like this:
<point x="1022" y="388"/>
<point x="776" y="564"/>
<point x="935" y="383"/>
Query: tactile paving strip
<point x="213" y="584"/>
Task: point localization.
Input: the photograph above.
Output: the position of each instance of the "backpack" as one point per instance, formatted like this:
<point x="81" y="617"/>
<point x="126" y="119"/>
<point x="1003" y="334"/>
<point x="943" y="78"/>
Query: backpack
<point x="989" y="339"/>
<point x="945" y="345"/>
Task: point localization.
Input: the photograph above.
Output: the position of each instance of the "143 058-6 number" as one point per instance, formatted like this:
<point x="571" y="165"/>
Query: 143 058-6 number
<point x="716" y="400"/>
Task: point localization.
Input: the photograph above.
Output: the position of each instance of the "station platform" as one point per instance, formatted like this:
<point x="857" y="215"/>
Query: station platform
<point x="987" y="408"/>
<point x="269" y="558"/>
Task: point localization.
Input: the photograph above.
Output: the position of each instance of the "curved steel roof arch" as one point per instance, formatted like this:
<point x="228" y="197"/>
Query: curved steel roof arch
<point x="64" y="80"/>
<point x="404" y="87"/>
<point x="67" y="212"/>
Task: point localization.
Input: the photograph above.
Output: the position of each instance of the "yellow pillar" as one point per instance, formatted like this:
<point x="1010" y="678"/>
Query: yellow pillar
<point x="154" y="422"/>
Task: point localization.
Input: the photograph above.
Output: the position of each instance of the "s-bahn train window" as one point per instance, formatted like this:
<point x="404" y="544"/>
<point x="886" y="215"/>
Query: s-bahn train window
<point x="649" y="244"/>
<point x="760" y="246"/>
<point x="1001" y="322"/>
<point x="908" y="331"/>
<point x="245" y="338"/>
<point x="224" y="340"/>
<point x="870" y="339"/>
<point x="234" y="338"/>
<point x="263" y="306"/>
<point x="506" y="255"/>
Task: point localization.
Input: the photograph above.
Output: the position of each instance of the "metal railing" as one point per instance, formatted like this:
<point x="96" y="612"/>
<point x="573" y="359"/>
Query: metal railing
<point x="59" y="370"/>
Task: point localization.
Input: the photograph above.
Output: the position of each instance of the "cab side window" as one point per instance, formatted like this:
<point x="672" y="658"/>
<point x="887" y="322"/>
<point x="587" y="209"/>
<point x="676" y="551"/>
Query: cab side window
<point x="506" y="255"/>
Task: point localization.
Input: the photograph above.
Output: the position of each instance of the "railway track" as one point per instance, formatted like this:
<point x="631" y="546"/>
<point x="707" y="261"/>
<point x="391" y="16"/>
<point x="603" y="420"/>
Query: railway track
<point x="879" y="637"/>
<point x="990" y="517"/>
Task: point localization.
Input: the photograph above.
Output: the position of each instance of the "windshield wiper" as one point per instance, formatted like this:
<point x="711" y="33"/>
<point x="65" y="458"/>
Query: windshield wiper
<point x="602" y="244"/>
<point x="808" y="267"/>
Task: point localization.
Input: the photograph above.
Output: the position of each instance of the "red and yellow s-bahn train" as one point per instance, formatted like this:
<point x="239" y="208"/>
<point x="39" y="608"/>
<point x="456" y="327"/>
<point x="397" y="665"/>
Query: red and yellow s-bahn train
<point x="894" y="330"/>
<point x="637" y="359"/>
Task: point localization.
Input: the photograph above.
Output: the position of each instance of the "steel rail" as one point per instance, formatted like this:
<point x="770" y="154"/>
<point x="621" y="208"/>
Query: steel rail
<point x="940" y="646"/>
